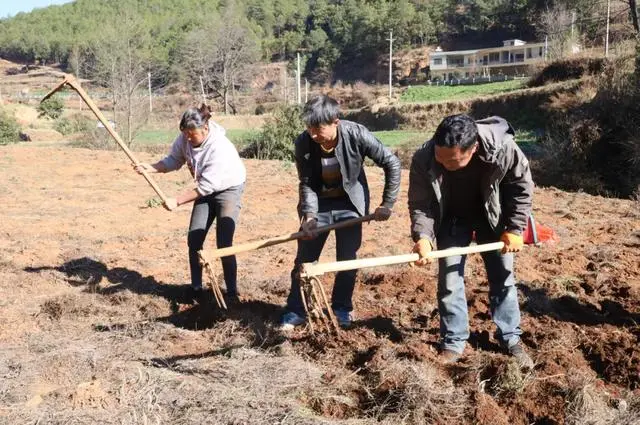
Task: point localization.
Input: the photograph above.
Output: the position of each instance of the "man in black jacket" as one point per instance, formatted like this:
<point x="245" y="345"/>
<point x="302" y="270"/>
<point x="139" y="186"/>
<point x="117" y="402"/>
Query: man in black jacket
<point x="332" y="188"/>
<point x="472" y="178"/>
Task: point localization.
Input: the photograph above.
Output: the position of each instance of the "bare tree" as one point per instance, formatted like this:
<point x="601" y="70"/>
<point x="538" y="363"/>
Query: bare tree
<point x="222" y="54"/>
<point x="121" y="61"/>
<point x="555" y="25"/>
<point x="634" y="16"/>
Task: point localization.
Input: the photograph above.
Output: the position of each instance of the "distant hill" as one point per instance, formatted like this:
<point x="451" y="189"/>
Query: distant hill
<point x="339" y="39"/>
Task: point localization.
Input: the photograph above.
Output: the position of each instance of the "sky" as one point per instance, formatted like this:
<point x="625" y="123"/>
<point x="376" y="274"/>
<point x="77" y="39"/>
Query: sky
<point x="11" y="7"/>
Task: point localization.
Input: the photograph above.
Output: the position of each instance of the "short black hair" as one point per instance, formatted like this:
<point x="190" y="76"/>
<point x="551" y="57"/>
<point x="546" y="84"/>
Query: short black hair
<point x="194" y="118"/>
<point x="456" y="131"/>
<point x="320" y="110"/>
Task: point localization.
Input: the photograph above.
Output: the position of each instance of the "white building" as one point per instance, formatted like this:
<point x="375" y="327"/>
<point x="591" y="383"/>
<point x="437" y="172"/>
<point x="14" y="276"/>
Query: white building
<point x="511" y="58"/>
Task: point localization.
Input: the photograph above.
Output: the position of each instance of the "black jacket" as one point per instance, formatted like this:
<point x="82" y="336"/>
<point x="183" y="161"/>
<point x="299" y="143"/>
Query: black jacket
<point x="507" y="186"/>
<point x="355" y="143"/>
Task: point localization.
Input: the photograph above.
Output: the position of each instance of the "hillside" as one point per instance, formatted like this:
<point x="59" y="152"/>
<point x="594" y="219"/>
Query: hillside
<point x="340" y="40"/>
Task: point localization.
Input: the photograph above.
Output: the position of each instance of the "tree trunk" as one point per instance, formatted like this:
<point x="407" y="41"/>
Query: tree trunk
<point x="637" y="73"/>
<point x="634" y="16"/>
<point x="129" y="118"/>
<point x="225" y="89"/>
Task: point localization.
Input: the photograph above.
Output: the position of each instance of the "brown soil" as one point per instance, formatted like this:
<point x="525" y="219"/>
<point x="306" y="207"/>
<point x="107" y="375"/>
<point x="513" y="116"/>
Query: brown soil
<point x="97" y="325"/>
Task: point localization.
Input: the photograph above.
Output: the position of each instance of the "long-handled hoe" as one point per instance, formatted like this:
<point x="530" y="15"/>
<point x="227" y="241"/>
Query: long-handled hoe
<point x="315" y="299"/>
<point x="70" y="80"/>
<point x="207" y="258"/>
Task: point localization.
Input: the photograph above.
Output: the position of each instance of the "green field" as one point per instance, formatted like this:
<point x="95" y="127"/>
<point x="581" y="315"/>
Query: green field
<point x="428" y="94"/>
<point x="396" y="138"/>
<point x="239" y="136"/>
<point x="153" y="137"/>
<point x="401" y="137"/>
<point x="393" y="138"/>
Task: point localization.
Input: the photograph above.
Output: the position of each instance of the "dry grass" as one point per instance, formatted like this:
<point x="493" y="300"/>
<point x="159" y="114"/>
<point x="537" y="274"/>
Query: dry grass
<point x="425" y="396"/>
<point x="589" y="148"/>
<point x="404" y="391"/>
<point x="501" y="378"/>
<point x="112" y="376"/>
<point x="586" y="405"/>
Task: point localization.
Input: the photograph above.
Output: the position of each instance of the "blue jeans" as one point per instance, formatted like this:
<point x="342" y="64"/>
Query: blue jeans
<point x="225" y="207"/>
<point x="348" y="241"/>
<point x="452" y="302"/>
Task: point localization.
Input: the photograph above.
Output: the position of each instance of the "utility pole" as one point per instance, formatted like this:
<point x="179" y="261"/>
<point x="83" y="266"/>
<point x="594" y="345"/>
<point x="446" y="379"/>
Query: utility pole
<point x="390" y="63"/>
<point x="150" y="100"/>
<point x="546" y="46"/>
<point x="298" y="90"/>
<point x="306" y="90"/>
<point x="204" y="98"/>
<point x="286" y="94"/>
<point x="606" y="40"/>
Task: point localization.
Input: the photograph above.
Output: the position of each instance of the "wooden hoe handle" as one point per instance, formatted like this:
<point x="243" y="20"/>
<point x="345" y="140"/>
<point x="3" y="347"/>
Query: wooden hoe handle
<point x="314" y="269"/>
<point x="71" y="81"/>
<point x="250" y="246"/>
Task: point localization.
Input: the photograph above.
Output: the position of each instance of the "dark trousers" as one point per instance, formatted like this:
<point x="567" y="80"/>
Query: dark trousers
<point x="348" y="241"/>
<point x="225" y="207"/>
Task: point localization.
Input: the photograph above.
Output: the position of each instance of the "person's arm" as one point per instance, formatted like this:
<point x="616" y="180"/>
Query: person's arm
<point x="423" y="206"/>
<point x="308" y="198"/>
<point x="516" y="192"/>
<point x="173" y="161"/>
<point x="385" y="159"/>
<point x="158" y="167"/>
<point x="185" y="197"/>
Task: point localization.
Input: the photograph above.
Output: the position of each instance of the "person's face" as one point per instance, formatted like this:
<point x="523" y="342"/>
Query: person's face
<point x="196" y="136"/>
<point x="324" y="133"/>
<point x="455" y="158"/>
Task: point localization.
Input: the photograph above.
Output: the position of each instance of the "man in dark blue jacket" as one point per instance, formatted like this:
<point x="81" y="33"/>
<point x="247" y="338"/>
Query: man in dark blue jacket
<point x="333" y="187"/>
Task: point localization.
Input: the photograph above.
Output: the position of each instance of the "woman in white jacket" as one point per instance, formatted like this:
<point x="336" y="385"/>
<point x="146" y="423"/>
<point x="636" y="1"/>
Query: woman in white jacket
<point x="219" y="176"/>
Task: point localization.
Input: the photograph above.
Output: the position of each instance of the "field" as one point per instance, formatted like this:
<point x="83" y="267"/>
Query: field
<point x="146" y="137"/>
<point x="96" y="325"/>
<point x="432" y="94"/>
<point x="239" y="136"/>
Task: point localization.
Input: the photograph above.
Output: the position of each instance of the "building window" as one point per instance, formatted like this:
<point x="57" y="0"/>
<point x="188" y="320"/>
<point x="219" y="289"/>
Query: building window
<point x="540" y="51"/>
<point x="437" y="61"/>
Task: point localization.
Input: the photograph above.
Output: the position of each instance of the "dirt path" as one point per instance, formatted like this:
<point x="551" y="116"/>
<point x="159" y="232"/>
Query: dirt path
<point x="96" y="325"/>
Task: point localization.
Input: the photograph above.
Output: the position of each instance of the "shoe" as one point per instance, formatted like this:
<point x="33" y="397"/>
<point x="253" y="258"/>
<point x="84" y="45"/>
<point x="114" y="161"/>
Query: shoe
<point x="196" y="292"/>
<point x="232" y="299"/>
<point x="449" y="356"/>
<point x="344" y="318"/>
<point x="522" y="358"/>
<point x="290" y="320"/>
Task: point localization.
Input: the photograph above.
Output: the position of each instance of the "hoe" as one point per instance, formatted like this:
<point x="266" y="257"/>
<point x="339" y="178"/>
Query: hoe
<point x="207" y="259"/>
<point x="71" y="81"/>
<point x="313" y="295"/>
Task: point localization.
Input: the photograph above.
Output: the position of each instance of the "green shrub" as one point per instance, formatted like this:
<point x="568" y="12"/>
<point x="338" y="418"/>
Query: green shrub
<point x="51" y="108"/>
<point x="9" y="129"/>
<point x="275" y="141"/>
<point x="77" y="123"/>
